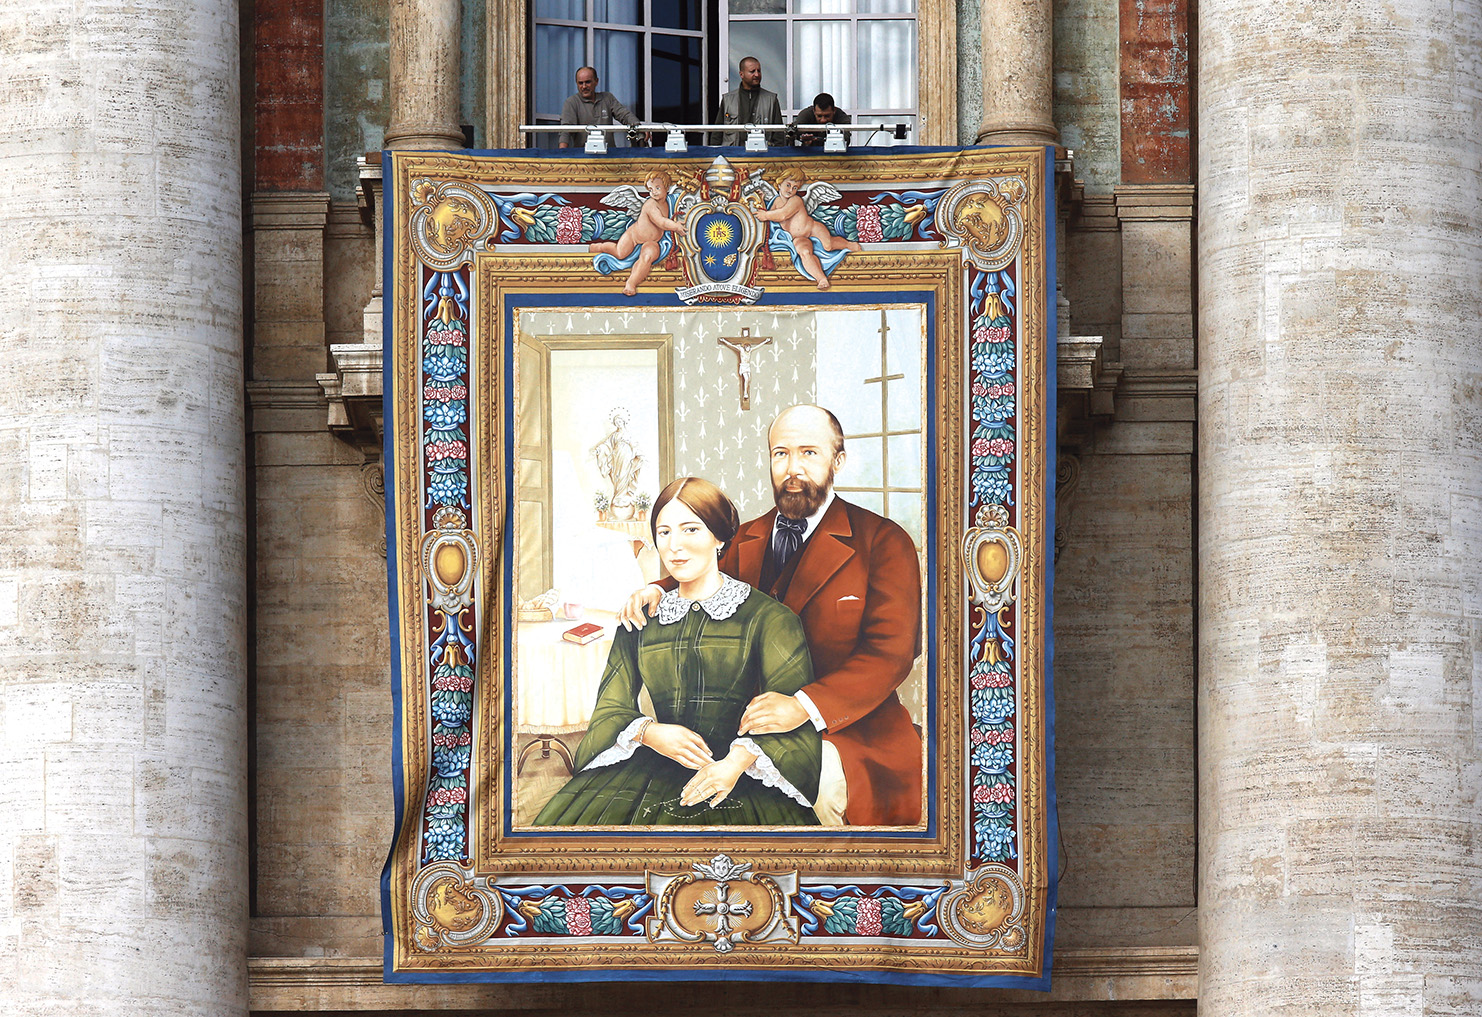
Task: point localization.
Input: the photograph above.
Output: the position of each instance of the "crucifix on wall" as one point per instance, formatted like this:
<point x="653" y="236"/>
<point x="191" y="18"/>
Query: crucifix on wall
<point x="744" y="344"/>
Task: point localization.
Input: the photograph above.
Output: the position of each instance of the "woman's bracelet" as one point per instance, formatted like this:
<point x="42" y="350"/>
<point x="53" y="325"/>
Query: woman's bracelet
<point x="642" y="730"/>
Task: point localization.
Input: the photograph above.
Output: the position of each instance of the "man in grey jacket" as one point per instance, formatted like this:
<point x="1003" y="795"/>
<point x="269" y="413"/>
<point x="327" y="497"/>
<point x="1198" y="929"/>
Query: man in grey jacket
<point x="749" y="104"/>
<point x="589" y="107"/>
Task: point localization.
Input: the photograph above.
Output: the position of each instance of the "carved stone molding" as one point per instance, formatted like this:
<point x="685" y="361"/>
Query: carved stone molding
<point x="1153" y="384"/>
<point x="290" y="210"/>
<point x="1092" y="213"/>
<point x="1155" y="202"/>
<point x="284" y="406"/>
<point x="353" y="389"/>
<point x="1154" y="395"/>
<point x="1087" y="386"/>
<point x="373" y="490"/>
<point x="1067" y="486"/>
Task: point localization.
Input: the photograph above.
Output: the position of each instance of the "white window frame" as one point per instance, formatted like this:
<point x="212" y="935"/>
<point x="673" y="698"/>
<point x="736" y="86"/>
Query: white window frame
<point x="792" y="105"/>
<point x="642" y="105"/>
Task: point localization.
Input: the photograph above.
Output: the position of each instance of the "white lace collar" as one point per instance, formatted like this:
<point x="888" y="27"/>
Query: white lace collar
<point x="720" y="605"/>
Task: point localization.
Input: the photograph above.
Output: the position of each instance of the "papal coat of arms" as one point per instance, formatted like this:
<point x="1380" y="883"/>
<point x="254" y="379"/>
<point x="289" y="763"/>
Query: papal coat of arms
<point x="723" y="230"/>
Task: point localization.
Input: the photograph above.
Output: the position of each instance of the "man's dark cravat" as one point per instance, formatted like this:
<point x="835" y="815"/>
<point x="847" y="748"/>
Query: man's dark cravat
<point x="787" y="539"/>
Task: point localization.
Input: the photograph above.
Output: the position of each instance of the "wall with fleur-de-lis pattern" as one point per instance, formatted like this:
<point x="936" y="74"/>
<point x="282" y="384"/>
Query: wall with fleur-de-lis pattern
<point x="713" y="436"/>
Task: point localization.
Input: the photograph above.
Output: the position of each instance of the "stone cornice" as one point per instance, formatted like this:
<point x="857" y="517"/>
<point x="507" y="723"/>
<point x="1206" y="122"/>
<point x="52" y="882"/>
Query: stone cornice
<point x="355" y="983"/>
<point x="1168" y="202"/>
<point x="345" y="220"/>
<point x="1086" y="386"/>
<point x="290" y="210"/>
<point x="1145" y="384"/>
<point x="353" y="390"/>
<point x="1096" y="212"/>
<point x="369" y="186"/>
<point x="1159" y="397"/>
<point x="284" y="406"/>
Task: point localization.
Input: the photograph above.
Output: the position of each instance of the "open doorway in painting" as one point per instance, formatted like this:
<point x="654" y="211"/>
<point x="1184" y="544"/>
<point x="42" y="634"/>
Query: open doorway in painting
<point x="594" y="441"/>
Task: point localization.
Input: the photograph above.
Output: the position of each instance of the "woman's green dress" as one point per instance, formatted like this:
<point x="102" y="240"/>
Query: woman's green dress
<point x="702" y="663"/>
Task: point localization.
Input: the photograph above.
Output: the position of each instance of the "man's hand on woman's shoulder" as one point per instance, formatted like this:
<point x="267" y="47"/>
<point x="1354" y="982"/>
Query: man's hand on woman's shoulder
<point x="640" y="606"/>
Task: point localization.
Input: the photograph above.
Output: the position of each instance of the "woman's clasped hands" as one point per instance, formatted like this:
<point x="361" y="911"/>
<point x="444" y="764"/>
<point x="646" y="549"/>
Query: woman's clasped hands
<point x="714" y="778"/>
<point x="714" y="781"/>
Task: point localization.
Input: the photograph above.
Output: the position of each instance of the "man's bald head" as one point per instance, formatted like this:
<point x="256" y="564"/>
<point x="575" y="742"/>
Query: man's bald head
<point x="805" y="417"/>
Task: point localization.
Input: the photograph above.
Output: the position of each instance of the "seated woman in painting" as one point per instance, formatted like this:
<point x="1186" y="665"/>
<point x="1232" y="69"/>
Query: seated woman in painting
<point x="717" y="645"/>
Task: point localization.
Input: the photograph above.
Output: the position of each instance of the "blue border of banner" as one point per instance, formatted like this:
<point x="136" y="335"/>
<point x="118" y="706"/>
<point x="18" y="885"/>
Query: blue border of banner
<point x="391" y="370"/>
<point x="1047" y="541"/>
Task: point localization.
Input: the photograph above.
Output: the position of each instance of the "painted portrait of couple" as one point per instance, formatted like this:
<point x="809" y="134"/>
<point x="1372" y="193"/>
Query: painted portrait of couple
<point x="768" y="659"/>
<point x="719" y="564"/>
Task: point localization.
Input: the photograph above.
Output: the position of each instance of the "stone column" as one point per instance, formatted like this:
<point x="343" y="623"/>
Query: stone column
<point x="1018" y="82"/>
<point x="123" y="786"/>
<point x="1340" y="394"/>
<point x="424" y="75"/>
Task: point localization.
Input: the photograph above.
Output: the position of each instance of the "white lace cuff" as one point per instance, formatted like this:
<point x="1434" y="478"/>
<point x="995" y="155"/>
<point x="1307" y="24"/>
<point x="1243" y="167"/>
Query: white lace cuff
<point x="627" y="744"/>
<point x="811" y="710"/>
<point x="764" y="770"/>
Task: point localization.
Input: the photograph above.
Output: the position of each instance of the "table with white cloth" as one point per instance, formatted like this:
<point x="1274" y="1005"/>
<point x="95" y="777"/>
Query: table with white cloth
<point x="556" y="682"/>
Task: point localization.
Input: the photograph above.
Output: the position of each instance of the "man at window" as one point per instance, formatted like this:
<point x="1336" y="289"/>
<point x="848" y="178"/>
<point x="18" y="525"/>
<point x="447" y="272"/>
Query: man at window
<point x="749" y="104"/>
<point x="823" y="111"/>
<point x="589" y="107"/>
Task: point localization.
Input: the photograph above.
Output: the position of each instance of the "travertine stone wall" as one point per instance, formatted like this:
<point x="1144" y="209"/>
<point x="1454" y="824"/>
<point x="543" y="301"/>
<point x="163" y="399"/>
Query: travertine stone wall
<point x="1157" y="285"/>
<point x="1124" y="679"/>
<point x="1124" y="617"/>
<point x="323" y="706"/>
<point x="1340" y="385"/>
<point x="322" y="702"/>
<point x="1087" y="90"/>
<point x="288" y="270"/>
<point x="123" y="874"/>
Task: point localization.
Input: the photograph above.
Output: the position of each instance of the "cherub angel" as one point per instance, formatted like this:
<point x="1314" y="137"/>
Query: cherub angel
<point x="792" y="209"/>
<point x="645" y="241"/>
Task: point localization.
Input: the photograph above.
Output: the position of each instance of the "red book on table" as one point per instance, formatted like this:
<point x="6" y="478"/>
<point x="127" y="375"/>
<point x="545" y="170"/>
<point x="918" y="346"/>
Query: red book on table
<point x="583" y="633"/>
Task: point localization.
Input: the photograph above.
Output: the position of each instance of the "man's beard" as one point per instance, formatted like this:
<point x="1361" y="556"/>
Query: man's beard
<point x="802" y="504"/>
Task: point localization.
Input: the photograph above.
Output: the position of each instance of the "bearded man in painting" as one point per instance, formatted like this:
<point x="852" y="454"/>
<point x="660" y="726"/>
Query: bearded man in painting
<point x="853" y="578"/>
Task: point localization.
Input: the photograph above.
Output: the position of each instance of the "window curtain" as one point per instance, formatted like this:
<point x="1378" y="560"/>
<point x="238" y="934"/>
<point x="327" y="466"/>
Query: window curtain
<point x="823" y="61"/>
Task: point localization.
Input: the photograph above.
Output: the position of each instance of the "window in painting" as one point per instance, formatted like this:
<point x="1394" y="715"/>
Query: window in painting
<point x="877" y="399"/>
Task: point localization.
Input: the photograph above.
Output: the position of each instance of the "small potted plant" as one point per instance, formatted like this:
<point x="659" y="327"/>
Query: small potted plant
<point x="602" y="503"/>
<point x="643" y="501"/>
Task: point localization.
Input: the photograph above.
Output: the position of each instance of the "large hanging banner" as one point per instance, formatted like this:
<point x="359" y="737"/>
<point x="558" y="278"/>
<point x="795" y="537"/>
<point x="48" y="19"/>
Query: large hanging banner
<point x="794" y="412"/>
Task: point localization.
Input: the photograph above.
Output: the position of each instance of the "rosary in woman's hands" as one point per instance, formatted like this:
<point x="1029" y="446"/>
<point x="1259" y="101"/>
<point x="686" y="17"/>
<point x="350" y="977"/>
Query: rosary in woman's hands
<point x="716" y="780"/>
